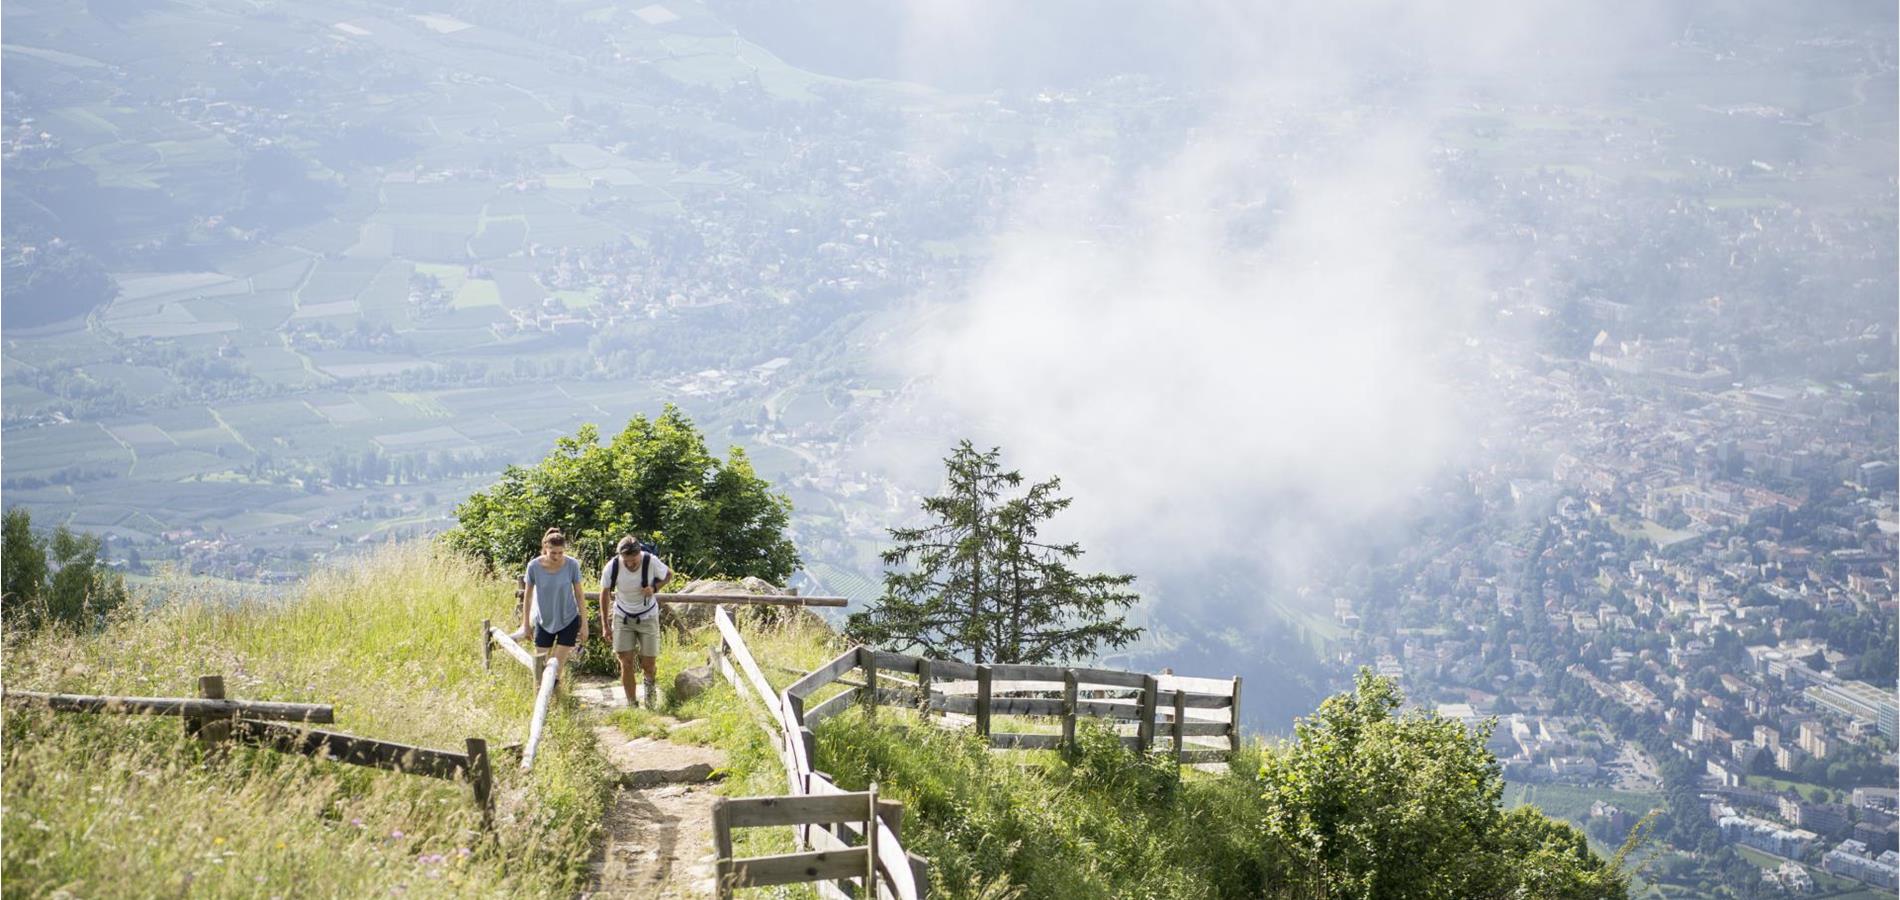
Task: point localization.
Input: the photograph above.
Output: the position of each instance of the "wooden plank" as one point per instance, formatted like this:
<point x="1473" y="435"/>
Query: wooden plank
<point x="1109" y="677"/>
<point x="1026" y="673"/>
<point x="925" y="673"/>
<point x="1222" y="686"/>
<point x="488" y="645"/>
<point x="513" y="649"/>
<point x="1180" y="724"/>
<point x="983" y="700"/>
<point x="1233" y="732"/>
<point x="481" y="778"/>
<point x="722" y="847"/>
<point x="356" y="751"/>
<point x="826" y="809"/>
<point x="896" y="662"/>
<point x="197" y="707"/>
<point x="1014" y="741"/>
<point x="746" y="599"/>
<point x="211" y="729"/>
<point x="830" y="707"/>
<point x="732" y="599"/>
<point x="793" y="868"/>
<point x="1194" y="757"/>
<point x="868" y="659"/>
<point x="1145" y="724"/>
<point x="824" y="674"/>
<point x="736" y="646"/>
<point x="952" y="669"/>
<point x="1069" y="687"/>
<point x="870" y="839"/>
<point x="549" y="676"/>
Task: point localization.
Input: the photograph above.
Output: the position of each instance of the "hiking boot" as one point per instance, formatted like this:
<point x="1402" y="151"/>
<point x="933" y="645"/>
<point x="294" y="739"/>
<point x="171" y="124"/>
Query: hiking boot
<point x="652" y="696"/>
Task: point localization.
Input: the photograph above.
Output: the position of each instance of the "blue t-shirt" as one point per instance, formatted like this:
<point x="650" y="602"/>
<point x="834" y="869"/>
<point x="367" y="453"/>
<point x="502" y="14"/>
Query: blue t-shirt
<point x="554" y="604"/>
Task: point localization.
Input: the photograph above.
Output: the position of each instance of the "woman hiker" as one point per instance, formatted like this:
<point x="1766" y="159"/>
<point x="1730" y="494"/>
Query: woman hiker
<point x="552" y="607"/>
<point x="629" y="614"/>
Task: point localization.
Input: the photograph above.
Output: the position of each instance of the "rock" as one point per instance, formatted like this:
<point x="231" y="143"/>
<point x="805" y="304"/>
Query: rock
<point x="688" y="616"/>
<point x="689" y="773"/>
<point x="691" y="683"/>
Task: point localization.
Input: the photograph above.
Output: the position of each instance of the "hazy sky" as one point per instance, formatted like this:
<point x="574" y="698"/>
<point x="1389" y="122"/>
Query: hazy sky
<point x="1207" y="390"/>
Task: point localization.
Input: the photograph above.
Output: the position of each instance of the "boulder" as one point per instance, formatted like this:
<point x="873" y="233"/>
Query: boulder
<point x="691" y="683"/>
<point x="688" y="616"/>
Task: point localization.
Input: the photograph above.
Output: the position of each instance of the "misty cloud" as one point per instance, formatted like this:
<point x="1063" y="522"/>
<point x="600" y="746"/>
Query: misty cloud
<point x="1240" y="350"/>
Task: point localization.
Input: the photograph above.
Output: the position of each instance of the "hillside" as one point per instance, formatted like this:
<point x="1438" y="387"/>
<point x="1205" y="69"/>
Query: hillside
<point x="115" y="806"/>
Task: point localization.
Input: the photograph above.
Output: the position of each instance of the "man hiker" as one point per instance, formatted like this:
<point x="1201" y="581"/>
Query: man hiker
<point x="631" y="618"/>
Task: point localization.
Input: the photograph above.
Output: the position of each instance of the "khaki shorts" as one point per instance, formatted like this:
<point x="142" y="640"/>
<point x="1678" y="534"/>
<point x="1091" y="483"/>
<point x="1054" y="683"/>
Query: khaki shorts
<point x="643" y="635"/>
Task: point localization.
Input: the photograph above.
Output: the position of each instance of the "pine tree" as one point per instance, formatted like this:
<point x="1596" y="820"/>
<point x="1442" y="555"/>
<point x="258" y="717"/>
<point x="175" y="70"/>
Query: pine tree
<point x="979" y="580"/>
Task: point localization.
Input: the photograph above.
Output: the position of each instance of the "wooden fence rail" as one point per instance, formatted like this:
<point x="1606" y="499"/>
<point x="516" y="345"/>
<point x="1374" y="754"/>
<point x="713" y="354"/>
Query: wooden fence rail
<point x="827" y="864"/>
<point x="867" y="849"/>
<point x="214" y="719"/>
<point x="1185" y="710"/>
<point x="195" y="707"/>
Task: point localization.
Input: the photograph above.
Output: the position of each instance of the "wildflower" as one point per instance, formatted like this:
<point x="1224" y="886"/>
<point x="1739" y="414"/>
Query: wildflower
<point x="431" y="859"/>
<point x="357" y="822"/>
<point x="461" y="852"/>
<point x="281" y="845"/>
<point x="396" y="835"/>
<point x="217" y="841"/>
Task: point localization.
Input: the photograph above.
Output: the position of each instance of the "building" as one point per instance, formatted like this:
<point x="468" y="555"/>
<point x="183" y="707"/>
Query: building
<point x="1851" y="859"/>
<point x="1812" y="738"/>
<point x="1858" y="700"/>
<point x="1762" y="834"/>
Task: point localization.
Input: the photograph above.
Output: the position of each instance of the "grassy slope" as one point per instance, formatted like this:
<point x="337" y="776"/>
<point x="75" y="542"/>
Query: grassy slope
<point x="113" y="806"/>
<point x="1101" y="824"/>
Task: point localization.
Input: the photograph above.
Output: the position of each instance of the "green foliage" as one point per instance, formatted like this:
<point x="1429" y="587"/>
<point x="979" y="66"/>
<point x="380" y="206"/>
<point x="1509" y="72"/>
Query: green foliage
<point x="981" y="583"/>
<point x="655" y="478"/>
<point x="1100" y="823"/>
<point x="1369" y="804"/>
<point x="1361" y="803"/>
<point x="58" y="582"/>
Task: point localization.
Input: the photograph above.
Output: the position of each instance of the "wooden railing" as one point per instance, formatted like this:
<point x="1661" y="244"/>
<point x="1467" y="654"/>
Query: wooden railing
<point x="814" y="798"/>
<point x="1196" y="716"/>
<point x="214" y="719"/>
<point x="544" y="670"/>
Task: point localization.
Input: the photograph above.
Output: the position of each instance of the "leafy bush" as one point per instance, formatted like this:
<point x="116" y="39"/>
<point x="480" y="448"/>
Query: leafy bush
<point x="655" y="478"/>
<point x="1360" y="804"/>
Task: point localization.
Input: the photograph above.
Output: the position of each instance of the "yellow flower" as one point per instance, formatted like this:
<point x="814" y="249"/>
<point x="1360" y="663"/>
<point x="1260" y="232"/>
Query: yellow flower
<point x="217" y="841"/>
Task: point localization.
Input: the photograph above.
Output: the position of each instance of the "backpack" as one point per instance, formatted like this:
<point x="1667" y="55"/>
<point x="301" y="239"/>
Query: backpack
<point x="646" y="579"/>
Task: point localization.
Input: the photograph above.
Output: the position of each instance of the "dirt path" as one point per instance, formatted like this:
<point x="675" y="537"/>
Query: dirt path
<point x="659" y="826"/>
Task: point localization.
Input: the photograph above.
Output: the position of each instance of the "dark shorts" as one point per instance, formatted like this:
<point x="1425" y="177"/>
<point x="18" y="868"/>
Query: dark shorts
<point x="566" y="637"/>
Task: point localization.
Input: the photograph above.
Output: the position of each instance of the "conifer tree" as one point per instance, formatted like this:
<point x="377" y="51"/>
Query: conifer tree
<point x="979" y="580"/>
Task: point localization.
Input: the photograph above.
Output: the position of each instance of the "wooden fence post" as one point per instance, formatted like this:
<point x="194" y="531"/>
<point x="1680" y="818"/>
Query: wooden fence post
<point x="923" y="688"/>
<point x="488" y="645"/>
<point x="983" y="701"/>
<point x="722" y="848"/>
<point x="1180" y="725"/>
<point x="1068" y="709"/>
<point x="868" y="660"/>
<point x="481" y="778"/>
<point x="1233" y="727"/>
<point x="870" y="845"/>
<point x="210" y="729"/>
<point x="919" y="873"/>
<point x="1145" y="726"/>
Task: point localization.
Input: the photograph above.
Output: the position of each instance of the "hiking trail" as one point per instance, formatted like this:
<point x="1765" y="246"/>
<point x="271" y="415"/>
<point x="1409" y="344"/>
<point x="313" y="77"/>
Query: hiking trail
<point x="658" y="841"/>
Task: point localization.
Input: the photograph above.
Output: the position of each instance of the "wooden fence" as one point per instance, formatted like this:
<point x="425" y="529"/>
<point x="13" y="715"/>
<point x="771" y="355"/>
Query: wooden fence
<point x="1194" y="718"/>
<point x="860" y="809"/>
<point x="852" y="850"/>
<point x="215" y="719"/>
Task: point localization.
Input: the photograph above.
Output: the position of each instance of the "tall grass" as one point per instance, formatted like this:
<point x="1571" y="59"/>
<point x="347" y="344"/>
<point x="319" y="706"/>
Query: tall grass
<point x="1101" y="822"/>
<point x="116" y="806"/>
